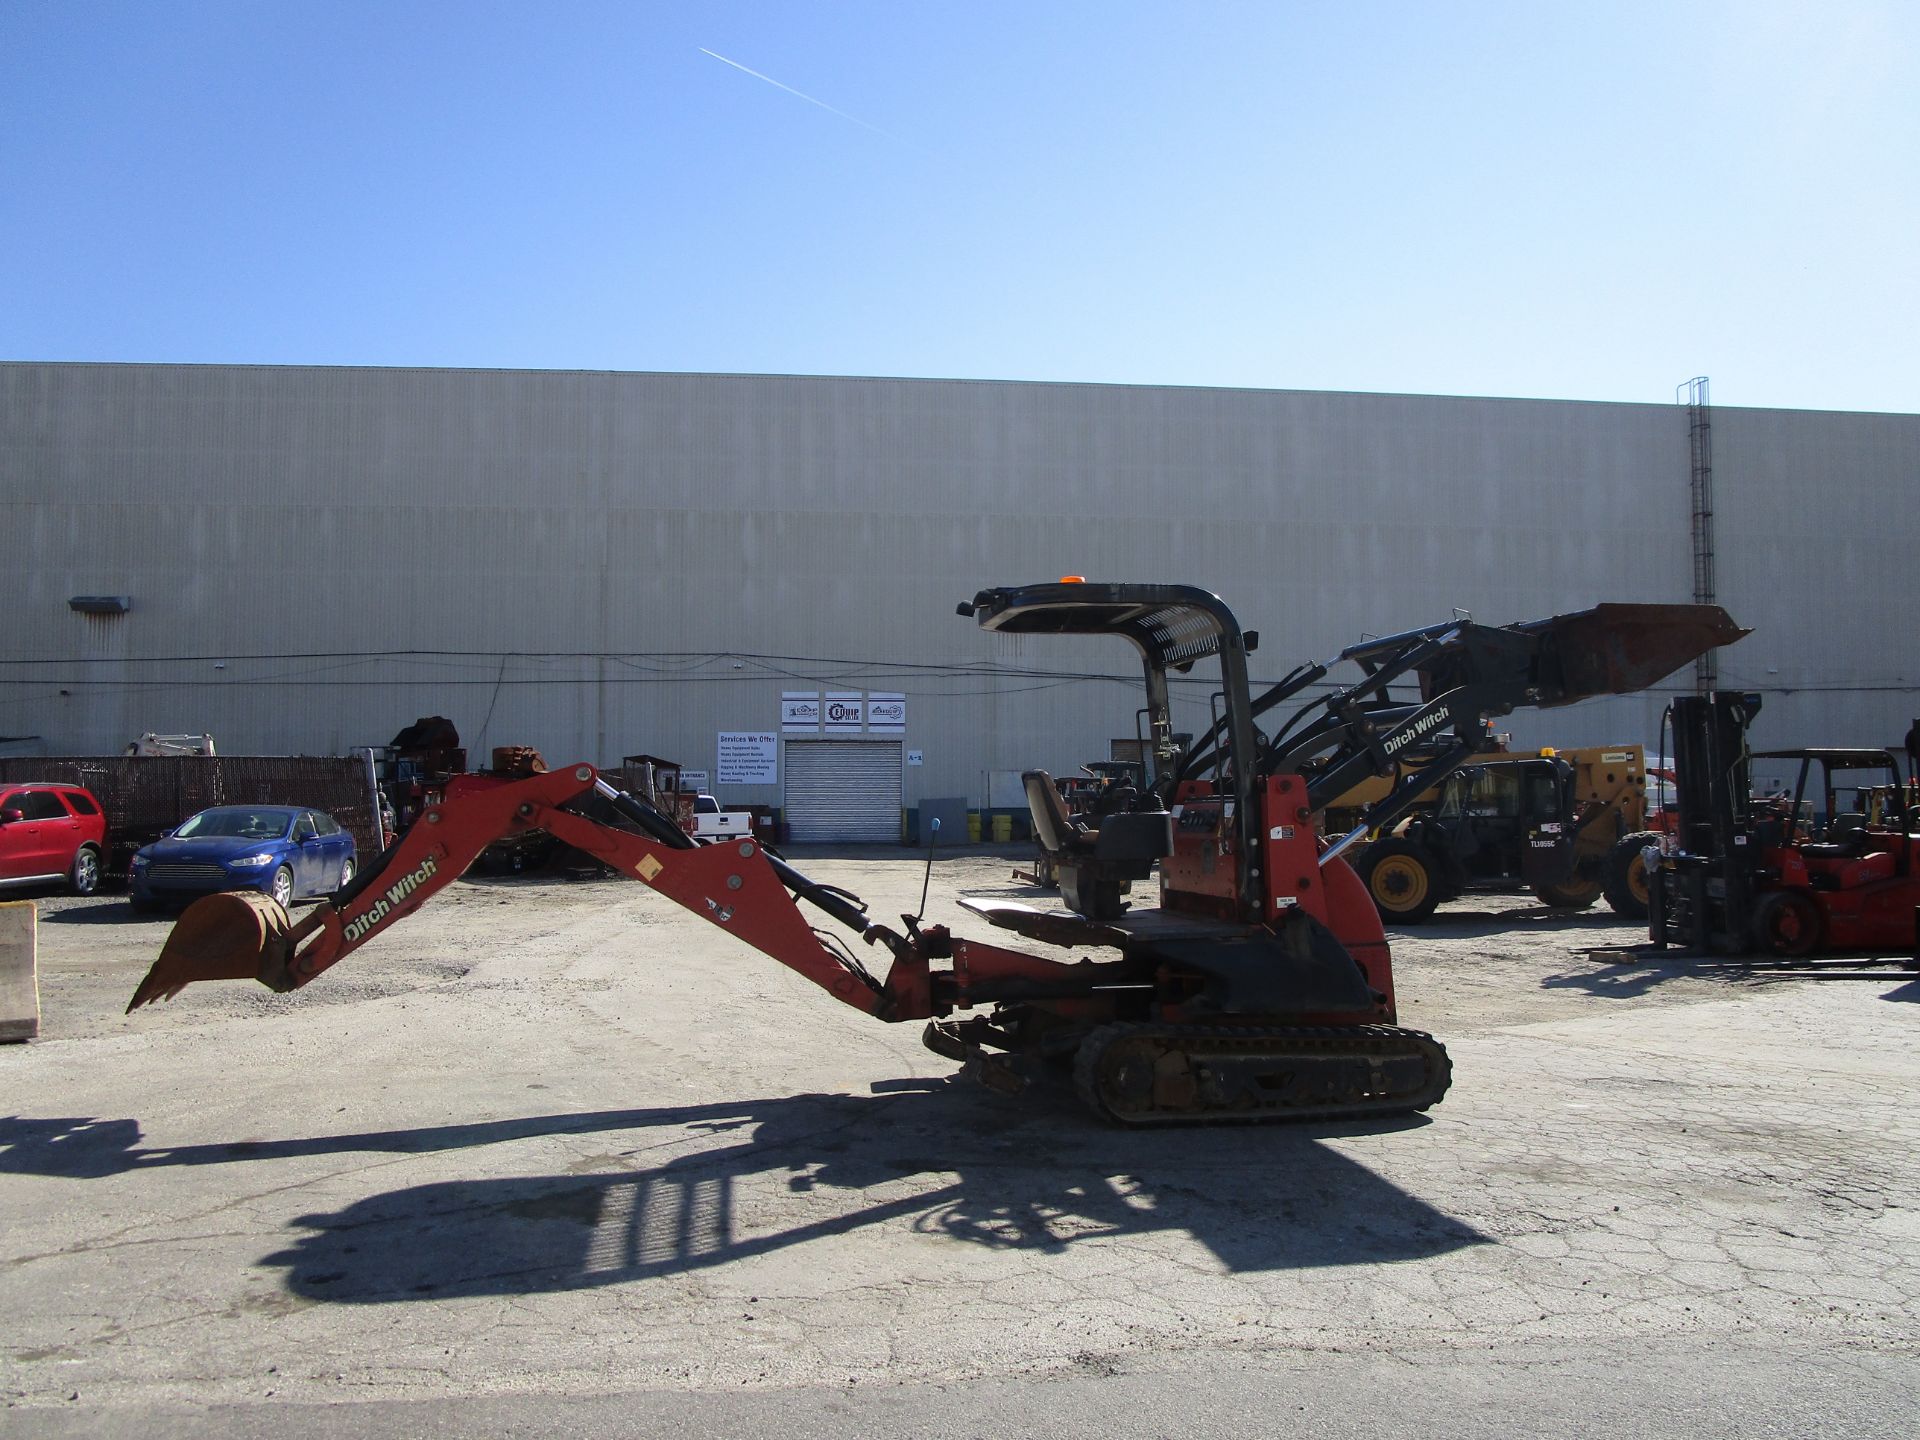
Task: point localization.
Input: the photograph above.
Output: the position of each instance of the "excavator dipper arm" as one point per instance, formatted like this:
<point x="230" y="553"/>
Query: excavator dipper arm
<point x="735" y="885"/>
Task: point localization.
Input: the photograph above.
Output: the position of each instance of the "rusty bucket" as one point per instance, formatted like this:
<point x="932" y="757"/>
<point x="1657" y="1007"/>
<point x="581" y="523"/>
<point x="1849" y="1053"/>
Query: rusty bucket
<point x="1617" y="649"/>
<point x="1612" y="649"/>
<point x="229" y="936"/>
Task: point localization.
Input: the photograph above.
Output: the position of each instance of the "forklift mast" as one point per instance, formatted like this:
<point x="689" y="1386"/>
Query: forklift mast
<point x="1713" y="779"/>
<point x="1703" y="897"/>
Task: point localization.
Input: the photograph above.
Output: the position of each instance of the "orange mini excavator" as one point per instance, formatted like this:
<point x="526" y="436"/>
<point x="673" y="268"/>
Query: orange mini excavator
<point x="1260" y="986"/>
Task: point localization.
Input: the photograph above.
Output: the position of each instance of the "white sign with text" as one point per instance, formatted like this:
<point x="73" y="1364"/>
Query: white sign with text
<point x="748" y="757"/>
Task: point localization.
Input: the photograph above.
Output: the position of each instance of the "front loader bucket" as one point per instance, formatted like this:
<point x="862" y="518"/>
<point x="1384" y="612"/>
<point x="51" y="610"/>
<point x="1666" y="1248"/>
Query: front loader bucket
<point x="1608" y="650"/>
<point x="229" y="936"/>
<point x="1618" y="649"/>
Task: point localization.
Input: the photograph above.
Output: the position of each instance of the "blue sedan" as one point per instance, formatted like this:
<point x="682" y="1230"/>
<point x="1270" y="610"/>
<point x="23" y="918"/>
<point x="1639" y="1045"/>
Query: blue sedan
<point x="280" y="850"/>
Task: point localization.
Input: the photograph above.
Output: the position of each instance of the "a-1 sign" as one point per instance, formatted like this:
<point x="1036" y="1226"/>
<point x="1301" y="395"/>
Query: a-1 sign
<point x="748" y="757"/>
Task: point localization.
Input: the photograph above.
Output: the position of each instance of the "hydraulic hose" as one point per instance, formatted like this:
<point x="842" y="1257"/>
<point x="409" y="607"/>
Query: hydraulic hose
<point x="837" y="903"/>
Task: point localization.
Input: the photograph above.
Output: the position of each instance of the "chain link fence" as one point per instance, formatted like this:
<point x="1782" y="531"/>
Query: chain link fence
<point x="145" y="795"/>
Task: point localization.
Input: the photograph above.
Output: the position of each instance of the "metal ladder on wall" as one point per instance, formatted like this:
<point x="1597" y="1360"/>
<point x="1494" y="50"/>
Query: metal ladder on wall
<point x="1706" y="670"/>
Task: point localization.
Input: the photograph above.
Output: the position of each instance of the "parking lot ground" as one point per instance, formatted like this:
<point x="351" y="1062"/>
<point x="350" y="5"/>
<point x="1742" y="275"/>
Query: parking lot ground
<point x="550" y="1143"/>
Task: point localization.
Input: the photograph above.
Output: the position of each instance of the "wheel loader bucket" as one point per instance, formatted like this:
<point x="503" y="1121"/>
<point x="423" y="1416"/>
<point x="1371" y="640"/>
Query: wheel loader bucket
<point x="229" y="936"/>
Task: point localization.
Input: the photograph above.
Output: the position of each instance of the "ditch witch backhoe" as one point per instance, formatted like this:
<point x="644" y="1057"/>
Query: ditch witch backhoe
<point x="1259" y="988"/>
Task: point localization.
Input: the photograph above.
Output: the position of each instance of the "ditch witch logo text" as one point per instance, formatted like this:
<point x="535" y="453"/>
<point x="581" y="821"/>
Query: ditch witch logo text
<point x="389" y="902"/>
<point x="1418" y="729"/>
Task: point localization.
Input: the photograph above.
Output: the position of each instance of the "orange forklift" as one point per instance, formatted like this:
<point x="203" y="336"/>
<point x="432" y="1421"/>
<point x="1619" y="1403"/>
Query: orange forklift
<point x="1834" y="865"/>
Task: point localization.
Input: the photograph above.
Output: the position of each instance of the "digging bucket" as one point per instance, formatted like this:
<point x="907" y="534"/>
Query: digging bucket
<point x="229" y="936"/>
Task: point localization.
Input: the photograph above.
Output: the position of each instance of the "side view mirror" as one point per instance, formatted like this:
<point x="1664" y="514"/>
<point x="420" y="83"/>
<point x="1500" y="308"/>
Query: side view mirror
<point x="10" y="815"/>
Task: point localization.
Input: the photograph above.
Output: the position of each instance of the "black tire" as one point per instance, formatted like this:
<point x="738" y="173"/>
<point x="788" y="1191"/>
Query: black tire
<point x="1576" y="892"/>
<point x="1626" y="874"/>
<point x="1400" y="878"/>
<point x="1788" y="923"/>
<point x="84" y="877"/>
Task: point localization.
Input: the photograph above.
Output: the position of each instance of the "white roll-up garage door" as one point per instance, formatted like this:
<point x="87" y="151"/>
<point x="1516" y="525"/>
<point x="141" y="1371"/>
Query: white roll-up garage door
<point x="843" y="791"/>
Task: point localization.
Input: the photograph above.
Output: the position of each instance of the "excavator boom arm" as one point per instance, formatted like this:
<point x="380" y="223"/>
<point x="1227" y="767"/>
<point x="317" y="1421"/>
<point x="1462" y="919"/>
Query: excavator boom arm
<point x="735" y="885"/>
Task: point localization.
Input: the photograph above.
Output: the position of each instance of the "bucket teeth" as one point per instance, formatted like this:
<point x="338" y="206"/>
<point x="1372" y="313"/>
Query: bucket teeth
<point x="229" y="936"/>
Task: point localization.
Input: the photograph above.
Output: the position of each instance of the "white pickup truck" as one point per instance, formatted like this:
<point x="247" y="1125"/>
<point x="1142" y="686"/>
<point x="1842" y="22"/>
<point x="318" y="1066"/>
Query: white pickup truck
<point x="710" y="822"/>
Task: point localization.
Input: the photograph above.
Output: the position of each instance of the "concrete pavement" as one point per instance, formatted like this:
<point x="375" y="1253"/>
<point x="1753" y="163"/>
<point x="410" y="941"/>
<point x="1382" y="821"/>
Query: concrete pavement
<point x="548" y="1145"/>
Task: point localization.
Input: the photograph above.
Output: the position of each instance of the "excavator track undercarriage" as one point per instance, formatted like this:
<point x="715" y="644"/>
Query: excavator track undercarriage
<point x="1181" y="1074"/>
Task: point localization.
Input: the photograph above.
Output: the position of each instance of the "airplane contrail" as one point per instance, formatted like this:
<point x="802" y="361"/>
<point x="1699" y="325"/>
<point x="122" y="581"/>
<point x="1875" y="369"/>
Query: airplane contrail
<point x="791" y="91"/>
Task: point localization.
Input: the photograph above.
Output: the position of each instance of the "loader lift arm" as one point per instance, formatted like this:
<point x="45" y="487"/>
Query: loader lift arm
<point x="1468" y="673"/>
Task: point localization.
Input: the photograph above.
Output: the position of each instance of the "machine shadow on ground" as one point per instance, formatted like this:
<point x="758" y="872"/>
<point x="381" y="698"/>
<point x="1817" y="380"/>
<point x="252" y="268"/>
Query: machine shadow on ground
<point x="118" y="910"/>
<point x="940" y="1157"/>
<point x="106" y="910"/>
<point x="1631" y="979"/>
<point x="1526" y="919"/>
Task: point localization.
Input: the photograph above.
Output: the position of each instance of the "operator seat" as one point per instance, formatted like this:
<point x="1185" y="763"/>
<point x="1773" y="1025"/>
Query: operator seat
<point x="1846" y="838"/>
<point x="1095" y="867"/>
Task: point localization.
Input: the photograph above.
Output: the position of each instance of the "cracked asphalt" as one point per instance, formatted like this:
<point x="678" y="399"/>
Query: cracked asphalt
<point x="553" y="1144"/>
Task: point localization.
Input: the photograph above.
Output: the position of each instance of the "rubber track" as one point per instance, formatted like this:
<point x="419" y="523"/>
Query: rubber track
<point x="1383" y="1040"/>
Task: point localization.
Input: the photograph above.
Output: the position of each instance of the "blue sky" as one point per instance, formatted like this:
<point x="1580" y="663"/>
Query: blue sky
<point x="1470" y="198"/>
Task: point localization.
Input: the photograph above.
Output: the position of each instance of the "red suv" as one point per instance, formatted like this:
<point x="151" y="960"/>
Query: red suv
<point x="51" y="832"/>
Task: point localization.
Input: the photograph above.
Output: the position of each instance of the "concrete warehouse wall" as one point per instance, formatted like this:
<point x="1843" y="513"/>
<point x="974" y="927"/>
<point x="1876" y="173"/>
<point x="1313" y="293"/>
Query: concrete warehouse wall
<point x="597" y="564"/>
